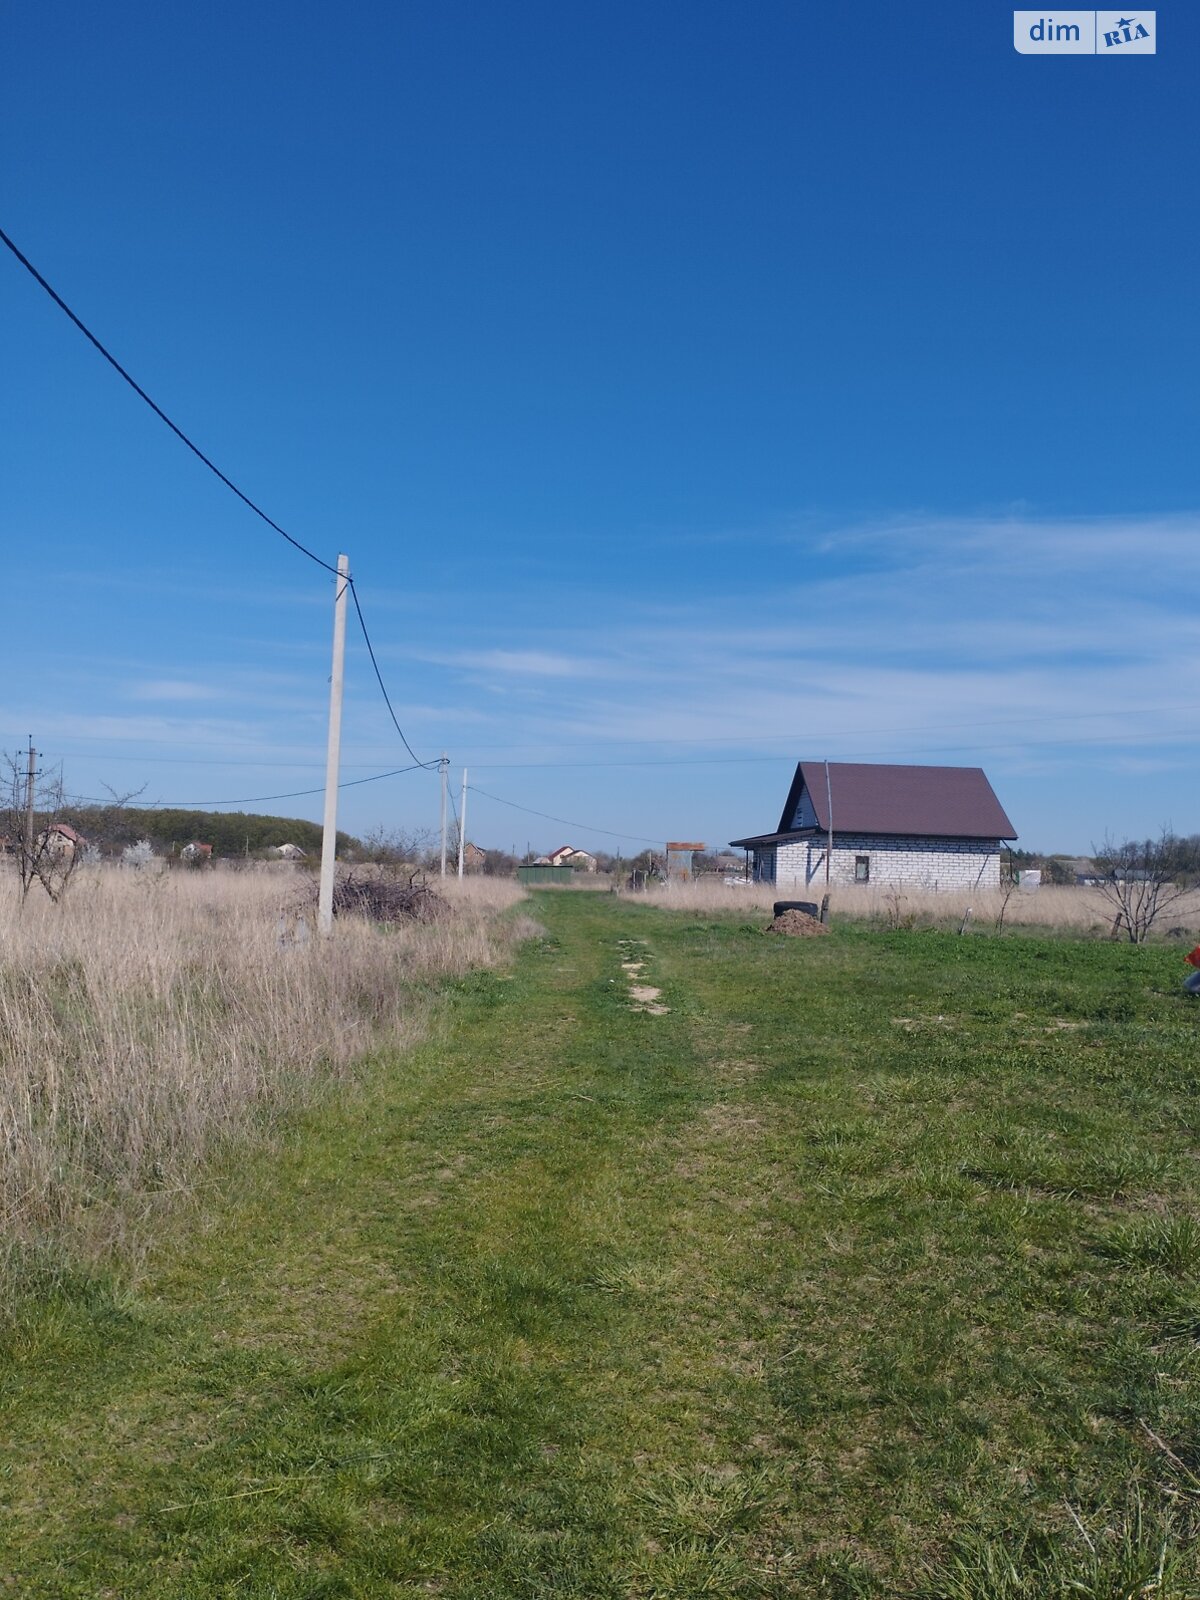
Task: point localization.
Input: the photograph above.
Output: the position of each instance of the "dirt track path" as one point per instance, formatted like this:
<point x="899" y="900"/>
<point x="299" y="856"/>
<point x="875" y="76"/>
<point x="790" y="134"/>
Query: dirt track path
<point x="426" y="1345"/>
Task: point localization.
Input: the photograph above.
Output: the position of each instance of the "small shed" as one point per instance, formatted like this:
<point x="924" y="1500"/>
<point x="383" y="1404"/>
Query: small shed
<point x="679" y="860"/>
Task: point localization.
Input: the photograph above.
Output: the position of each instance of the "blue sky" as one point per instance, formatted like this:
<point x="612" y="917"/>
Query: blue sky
<point x="694" y="388"/>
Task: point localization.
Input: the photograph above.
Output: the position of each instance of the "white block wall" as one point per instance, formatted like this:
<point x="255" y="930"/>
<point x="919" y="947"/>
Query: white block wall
<point x="919" y="862"/>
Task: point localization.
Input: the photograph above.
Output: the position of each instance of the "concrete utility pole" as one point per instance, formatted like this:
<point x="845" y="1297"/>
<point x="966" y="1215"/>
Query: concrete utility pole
<point x="462" y="825"/>
<point x="333" y="749"/>
<point x="444" y="766"/>
<point x="30" y="776"/>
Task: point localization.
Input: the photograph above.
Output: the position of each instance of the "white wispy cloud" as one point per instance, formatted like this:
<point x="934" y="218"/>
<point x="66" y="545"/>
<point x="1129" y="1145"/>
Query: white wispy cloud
<point x="893" y="636"/>
<point x="508" y="663"/>
<point x="172" y="689"/>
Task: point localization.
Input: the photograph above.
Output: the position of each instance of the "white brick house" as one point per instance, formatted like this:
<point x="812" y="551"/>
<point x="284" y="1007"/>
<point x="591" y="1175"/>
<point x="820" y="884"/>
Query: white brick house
<point x="854" y="822"/>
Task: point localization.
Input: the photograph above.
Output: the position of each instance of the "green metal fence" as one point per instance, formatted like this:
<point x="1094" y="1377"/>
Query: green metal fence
<point x="536" y="875"/>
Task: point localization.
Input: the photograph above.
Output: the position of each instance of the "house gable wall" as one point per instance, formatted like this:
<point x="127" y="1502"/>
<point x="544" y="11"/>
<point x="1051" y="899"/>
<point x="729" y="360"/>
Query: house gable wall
<point x="804" y="815"/>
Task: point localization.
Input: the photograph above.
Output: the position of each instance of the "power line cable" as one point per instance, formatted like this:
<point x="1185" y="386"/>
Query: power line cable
<point x="157" y="409"/>
<point x="387" y="700"/>
<point x="213" y="468"/>
<point x="566" y="821"/>
<point x="247" y="800"/>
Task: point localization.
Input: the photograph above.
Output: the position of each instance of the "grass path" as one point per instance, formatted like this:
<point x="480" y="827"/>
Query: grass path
<point x="848" y="1251"/>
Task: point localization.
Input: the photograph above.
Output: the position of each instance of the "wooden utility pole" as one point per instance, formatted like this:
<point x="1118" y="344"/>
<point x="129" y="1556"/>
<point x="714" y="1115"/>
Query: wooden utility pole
<point x="462" y="825"/>
<point x="444" y="766"/>
<point x="329" y="835"/>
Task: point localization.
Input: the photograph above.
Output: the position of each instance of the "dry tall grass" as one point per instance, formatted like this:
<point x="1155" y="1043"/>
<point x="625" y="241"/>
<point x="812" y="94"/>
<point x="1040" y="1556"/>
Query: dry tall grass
<point x="1079" y="911"/>
<point x="147" y="1019"/>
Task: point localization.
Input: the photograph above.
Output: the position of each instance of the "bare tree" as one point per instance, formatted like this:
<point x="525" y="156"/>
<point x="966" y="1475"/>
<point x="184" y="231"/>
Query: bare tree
<point x="395" y="852"/>
<point x="106" y="823"/>
<point x="47" y="849"/>
<point x="1010" y="880"/>
<point x="1141" y="882"/>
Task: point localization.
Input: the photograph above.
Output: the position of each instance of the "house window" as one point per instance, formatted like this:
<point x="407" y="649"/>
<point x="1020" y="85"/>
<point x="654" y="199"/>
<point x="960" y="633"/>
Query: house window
<point x="862" y="869"/>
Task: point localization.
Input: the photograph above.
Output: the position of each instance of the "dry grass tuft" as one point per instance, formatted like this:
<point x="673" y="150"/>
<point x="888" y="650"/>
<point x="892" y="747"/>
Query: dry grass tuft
<point x="147" y="1019"/>
<point x="1066" y="910"/>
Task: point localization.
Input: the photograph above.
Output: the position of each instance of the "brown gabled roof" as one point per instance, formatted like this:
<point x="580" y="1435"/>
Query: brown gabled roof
<point x="868" y="797"/>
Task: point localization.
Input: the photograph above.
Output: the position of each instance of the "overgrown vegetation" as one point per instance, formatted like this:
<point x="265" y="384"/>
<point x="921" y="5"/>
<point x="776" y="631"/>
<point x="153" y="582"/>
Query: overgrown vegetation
<point x="1065" y="912"/>
<point x="146" y="1021"/>
<point x="868" y="1268"/>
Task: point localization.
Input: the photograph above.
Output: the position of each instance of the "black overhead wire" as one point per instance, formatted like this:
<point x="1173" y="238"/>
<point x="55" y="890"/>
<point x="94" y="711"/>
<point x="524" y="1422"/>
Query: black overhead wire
<point x="382" y="686"/>
<point x="247" y="800"/>
<point x="566" y="821"/>
<point x="228" y="482"/>
<point x="157" y="409"/>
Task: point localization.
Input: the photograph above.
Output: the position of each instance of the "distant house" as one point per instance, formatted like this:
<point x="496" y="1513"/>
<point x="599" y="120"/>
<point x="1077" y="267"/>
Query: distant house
<point x="289" y="852"/>
<point x="734" y="869"/>
<point x="196" y="854"/>
<point x="723" y="861"/>
<point x="473" y="857"/>
<point x="567" y="856"/>
<point x="1085" y="871"/>
<point x="857" y="822"/>
<point x="60" y="842"/>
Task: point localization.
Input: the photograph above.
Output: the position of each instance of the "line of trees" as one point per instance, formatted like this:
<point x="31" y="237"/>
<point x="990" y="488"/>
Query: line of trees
<point x="231" y="833"/>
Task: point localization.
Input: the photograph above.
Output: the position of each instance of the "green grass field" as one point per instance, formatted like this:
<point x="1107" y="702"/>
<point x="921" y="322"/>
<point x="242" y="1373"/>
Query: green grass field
<point x="871" y="1267"/>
